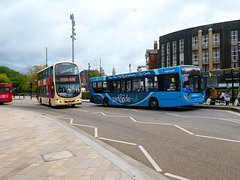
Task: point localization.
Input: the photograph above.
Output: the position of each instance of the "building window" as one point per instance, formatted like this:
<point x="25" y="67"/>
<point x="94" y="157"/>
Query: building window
<point x="205" y="40"/>
<point x="205" y="56"/>
<point x="163" y="62"/>
<point x="163" y="49"/>
<point x="195" y="42"/>
<point x="234" y="65"/>
<point x="234" y="37"/>
<point x="174" y="60"/>
<point x="168" y="48"/>
<point x="195" y="57"/>
<point x="174" y="48"/>
<point x="168" y="60"/>
<point x="216" y="39"/>
<point x="181" y="45"/>
<point x="205" y="68"/>
<point x="181" y="57"/>
<point x="216" y="55"/>
<point x="216" y="66"/>
<point x="234" y="53"/>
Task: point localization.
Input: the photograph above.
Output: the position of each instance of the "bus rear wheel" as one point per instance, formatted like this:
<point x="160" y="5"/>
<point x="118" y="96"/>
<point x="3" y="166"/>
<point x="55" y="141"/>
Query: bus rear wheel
<point x="153" y="103"/>
<point x="105" y="102"/>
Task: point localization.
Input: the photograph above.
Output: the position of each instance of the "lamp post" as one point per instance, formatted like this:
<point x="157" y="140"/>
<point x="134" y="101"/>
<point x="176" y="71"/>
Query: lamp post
<point x="46" y="56"/>
<point x="73" y="35"/>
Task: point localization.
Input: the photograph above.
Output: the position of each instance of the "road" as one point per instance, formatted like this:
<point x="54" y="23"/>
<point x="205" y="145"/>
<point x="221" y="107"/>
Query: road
<point x="182" y="143"/>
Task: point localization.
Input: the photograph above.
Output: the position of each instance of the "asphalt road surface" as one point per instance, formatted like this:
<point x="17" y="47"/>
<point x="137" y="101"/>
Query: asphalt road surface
<point x="180" y="143"/>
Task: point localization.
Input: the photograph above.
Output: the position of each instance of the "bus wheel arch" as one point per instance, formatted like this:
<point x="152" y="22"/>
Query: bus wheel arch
<point x="153" y="103"/>
<point x="105" y="102"/>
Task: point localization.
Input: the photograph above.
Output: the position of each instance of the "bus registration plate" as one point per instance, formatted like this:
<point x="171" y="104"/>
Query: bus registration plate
<point x="195" y="103"/>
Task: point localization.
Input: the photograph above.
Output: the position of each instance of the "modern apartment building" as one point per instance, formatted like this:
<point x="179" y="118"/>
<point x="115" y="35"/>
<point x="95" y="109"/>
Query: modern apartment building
<point x="212" y="47"/>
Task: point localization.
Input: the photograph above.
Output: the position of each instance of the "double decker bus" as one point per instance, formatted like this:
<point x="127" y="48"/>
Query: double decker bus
<point x="59" y="84"/>
<point x="5" y="93"/>
<point x="165" y="87"/>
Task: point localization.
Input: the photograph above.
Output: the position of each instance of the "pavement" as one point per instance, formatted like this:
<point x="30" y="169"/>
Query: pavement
<point x="220" y="106"/>
<point x="38" y="146"/>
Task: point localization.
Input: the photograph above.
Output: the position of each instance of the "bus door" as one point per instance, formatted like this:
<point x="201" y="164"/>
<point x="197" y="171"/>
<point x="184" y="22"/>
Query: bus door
<point x="169" y="86"/>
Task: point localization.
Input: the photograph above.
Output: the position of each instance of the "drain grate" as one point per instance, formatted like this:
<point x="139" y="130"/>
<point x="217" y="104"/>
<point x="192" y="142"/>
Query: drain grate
<point x="55" y="156"/>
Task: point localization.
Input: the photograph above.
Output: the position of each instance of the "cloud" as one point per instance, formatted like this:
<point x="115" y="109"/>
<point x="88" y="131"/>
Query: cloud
<point x="118" y="32"/>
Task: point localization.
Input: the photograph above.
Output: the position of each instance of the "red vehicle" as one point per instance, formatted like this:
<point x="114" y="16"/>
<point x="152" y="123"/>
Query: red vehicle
<point x="5" y="93"/>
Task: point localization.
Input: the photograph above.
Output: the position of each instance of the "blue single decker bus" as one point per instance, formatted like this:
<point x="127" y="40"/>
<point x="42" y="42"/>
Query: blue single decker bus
<point x="165" y="87"/>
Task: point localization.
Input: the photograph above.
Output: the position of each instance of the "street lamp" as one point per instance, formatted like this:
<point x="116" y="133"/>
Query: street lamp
<point x="73" y="35"/>
<point x="46" y="56"/>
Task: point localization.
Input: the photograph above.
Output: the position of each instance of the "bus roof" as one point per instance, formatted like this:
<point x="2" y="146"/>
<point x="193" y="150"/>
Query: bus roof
<point x="54" y="65"/>
<point x="151" y="72"/>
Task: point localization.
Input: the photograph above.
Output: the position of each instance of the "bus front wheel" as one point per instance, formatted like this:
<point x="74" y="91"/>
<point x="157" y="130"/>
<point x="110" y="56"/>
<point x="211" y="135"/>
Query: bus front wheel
<point x="105" y="102"/>
<point x="153" y="103"/>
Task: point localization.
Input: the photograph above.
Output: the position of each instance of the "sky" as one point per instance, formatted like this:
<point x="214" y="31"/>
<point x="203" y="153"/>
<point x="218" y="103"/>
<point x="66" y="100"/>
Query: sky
<point x="117" y="32"/>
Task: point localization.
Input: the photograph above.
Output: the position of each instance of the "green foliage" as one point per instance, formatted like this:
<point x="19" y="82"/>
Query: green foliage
<point x="32" y="73"/>
<point x="85" y="95"/>
<point x="4" y="78"/>
<point x="96" y="73"/>
<point x="9" y="72"/>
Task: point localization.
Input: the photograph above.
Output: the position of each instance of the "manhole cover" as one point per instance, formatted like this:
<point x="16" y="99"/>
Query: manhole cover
<point x="55" y="156"/>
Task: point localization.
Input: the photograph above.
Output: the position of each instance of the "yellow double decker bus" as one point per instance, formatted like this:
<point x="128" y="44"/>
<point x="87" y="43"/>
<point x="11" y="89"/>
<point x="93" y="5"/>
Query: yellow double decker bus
<point x="59" y="85"/>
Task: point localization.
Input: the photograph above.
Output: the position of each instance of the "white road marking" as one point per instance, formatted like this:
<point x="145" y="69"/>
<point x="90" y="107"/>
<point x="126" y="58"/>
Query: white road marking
<point x="184" y="129"/>
<point x="150" y="159"/>
<point x="96" y="113"/>
<point x="204" y="117"/>
<point x="83" y="110"/>
<point x="230" y="120"/>
<point x="96" y="132"/>
<point x="153" y="123"/>
<point x="113" y="140"/>
<point x="133" y="119"/>
<point x="82" y="125"/>
<point x="234" y="113"/>
<point x="175" y="176"/>
<point x="222" y="139"/>
<point x="173" y="114"/>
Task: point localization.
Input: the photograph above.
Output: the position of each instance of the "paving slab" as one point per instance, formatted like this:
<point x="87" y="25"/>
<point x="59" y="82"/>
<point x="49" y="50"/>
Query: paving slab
<point x="35" y="146"/>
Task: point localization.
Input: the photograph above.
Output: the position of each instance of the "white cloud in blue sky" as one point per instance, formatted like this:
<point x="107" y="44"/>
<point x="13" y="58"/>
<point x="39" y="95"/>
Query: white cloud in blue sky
<point x="117" y="31"/>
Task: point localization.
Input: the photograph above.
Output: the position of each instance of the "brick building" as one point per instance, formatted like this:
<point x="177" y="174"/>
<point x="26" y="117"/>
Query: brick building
<point x="151" y="57"/>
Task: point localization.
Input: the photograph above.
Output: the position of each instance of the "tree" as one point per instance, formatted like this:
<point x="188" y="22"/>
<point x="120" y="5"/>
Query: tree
<point x="4" y="78"/>
<point x="96" y="73"/>
<point x="9" y="72"/>
<point x="32" y="74"/>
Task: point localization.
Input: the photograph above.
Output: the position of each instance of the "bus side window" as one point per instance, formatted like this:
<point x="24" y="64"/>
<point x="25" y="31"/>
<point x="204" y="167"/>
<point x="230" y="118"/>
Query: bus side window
<point x="105" y="86"/>
<point x="99" y="87"/>
<point x="115" y="86"/>
<point x="170" y="82"/>
<point x="123" y="87"/>
<point x="149" y="84"/>
<point x="129" y="86"/>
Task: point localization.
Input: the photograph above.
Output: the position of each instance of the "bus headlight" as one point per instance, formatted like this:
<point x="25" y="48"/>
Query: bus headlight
<point x="186" y="97"/>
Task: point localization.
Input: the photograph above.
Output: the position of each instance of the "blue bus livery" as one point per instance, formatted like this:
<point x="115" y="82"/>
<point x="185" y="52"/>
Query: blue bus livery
<point x="165" y="87"/>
